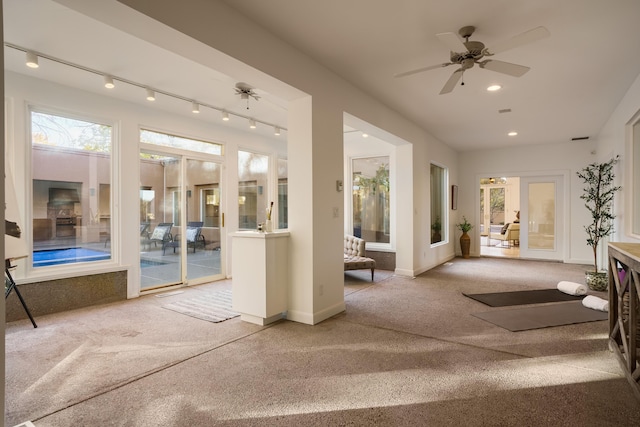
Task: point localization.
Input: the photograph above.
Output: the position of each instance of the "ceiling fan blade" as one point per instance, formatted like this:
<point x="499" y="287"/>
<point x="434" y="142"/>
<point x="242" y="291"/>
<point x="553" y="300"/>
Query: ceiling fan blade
<point x="514" y="70"/>
<point x="420" y="70"/>
<point x="452" y="82"/>
<point x="452" y="41"/>
<point x="519" y="40"/>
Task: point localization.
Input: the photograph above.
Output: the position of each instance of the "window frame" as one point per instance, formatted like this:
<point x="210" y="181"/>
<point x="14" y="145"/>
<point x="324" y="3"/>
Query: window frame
<point x="379" y="246"/>
<point x="76" y="268"/>
<point x="445" y="201"/>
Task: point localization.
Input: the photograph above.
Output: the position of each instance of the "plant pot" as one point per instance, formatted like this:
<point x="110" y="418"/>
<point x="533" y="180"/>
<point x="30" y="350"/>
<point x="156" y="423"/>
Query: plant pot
<point x="597" y="281"/>
<point x="465" y="244"/>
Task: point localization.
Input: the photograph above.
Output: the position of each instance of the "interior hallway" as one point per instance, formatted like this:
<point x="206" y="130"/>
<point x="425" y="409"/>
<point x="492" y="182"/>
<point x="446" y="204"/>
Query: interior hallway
<point x="405" y="352"/>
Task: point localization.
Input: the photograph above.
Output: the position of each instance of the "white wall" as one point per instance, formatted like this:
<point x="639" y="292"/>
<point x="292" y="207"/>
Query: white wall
<point x="563" y="158"/>
<point x="614" y="140"/>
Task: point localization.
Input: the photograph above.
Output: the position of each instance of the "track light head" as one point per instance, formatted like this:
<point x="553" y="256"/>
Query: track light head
<point x="32" y="60"/>
<point x="108" y="82"/>
<point x="151" y="95"/>
<point x="276" y="131"/>
<point x="252" y="123"/>
<point x="225" y="116"/>
<point x="195" y="107"/>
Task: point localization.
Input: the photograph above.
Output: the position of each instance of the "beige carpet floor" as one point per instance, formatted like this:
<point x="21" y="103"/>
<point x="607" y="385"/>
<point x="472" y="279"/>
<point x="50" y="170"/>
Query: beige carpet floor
<point x="406" y="351"/>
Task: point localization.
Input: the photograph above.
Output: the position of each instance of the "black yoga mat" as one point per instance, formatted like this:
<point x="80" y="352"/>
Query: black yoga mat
<point x="542" y="316"/>
<point x="536" y="296"/>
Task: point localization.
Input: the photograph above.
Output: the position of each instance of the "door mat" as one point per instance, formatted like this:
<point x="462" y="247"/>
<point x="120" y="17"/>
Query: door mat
<point x="213" y="307"/>
<point x="542" y="316"/>
<point x="536" y="296"/>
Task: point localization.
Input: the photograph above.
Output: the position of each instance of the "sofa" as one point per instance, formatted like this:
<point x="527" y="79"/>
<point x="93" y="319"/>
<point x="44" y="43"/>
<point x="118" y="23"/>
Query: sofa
<point x="510" y="233"/>
<point x="354" y="255"/>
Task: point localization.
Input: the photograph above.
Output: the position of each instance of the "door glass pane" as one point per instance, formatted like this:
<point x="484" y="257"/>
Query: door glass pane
<point x="496" y="209"/>
<point x="542" y="215"/>
<point x="202" y="232"/>
<point x="159" y="179"/>
<point x="483" y="227"/>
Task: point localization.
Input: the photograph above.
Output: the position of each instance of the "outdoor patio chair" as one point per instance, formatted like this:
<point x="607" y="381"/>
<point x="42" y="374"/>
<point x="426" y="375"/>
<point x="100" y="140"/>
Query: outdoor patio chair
<point x="161" y="234"/>
<point x="194" y="236"/>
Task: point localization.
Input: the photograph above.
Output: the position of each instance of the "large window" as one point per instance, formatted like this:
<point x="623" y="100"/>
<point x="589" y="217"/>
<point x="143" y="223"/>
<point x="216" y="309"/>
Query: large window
<point x="71" y="184"/>
<point x="253" y="200"/>
<point x="438" y="203"/>
<point x="371" y="197"/>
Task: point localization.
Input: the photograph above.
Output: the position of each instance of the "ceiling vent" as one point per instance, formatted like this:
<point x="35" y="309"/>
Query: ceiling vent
<point x="580" y="138"/>
<point x="504" y="110"/>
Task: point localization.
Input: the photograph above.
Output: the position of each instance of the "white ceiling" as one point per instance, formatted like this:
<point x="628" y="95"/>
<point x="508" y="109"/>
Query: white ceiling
<point x="578" y="75"/>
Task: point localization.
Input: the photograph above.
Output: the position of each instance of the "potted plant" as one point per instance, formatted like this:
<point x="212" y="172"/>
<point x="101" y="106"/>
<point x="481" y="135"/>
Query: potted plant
<point x="437" y="228"/>
<point x="598" y="193"/>
<point x="465" y="241"/>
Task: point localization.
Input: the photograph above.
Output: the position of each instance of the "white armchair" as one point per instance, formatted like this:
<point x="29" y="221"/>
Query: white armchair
<point x="511" y="235"/>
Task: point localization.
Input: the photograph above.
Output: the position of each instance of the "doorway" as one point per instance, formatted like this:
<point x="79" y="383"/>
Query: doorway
<point x="499" y="207"/>
<point x="181" y="220"/>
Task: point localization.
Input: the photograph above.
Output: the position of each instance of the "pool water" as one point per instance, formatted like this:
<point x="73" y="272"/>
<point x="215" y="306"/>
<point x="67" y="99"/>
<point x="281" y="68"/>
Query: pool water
<point x="67" y="256"/>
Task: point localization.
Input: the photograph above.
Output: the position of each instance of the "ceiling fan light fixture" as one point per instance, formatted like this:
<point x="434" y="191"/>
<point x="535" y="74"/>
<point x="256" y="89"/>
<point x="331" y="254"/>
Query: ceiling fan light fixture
<point x="494" y="88"/>
<point x="32" y="60"/>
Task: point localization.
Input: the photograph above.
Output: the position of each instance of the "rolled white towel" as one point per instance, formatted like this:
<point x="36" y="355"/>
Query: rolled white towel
<point x="596" y="303"/>
<point x="572" y="288"/>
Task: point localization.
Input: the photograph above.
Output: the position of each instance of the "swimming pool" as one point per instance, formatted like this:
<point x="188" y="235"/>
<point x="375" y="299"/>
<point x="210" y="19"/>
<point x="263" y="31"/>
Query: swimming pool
<point x="67" y="256"/>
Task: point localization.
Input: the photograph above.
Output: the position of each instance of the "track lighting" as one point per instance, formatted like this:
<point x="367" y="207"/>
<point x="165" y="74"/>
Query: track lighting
<point x="365" y="135"/>
<point x="108" y="82"/>
<point x="32" y="60"/>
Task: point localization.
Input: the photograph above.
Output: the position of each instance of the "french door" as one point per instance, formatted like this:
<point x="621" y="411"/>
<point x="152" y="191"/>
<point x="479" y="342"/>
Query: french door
<point x="542" y="217"/>
<point x="181" y="219"/>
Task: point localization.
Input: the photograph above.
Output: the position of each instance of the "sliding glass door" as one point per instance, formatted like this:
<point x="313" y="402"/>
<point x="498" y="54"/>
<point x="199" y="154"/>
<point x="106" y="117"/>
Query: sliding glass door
<point x="181" y="220"/>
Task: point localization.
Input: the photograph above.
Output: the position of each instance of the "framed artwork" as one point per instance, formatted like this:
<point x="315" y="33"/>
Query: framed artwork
<point x="454" y="197"/>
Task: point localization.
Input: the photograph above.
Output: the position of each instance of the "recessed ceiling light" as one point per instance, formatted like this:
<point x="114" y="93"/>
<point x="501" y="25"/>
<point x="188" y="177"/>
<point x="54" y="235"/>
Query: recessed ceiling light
<point x="494" y="88"/>
<point x="512" y="133"/>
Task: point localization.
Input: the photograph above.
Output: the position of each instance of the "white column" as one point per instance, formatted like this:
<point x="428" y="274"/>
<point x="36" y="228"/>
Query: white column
<point x="316" y="211"/>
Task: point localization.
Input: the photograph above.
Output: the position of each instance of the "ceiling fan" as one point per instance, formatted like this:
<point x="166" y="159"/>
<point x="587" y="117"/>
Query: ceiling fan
<point x="468" y="53"/>
<point x="245" y="91"/>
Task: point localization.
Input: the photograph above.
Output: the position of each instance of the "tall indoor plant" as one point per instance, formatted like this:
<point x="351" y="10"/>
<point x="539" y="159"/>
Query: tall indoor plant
<point x="465" y="241"/>
<point x="598" y="193"/>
